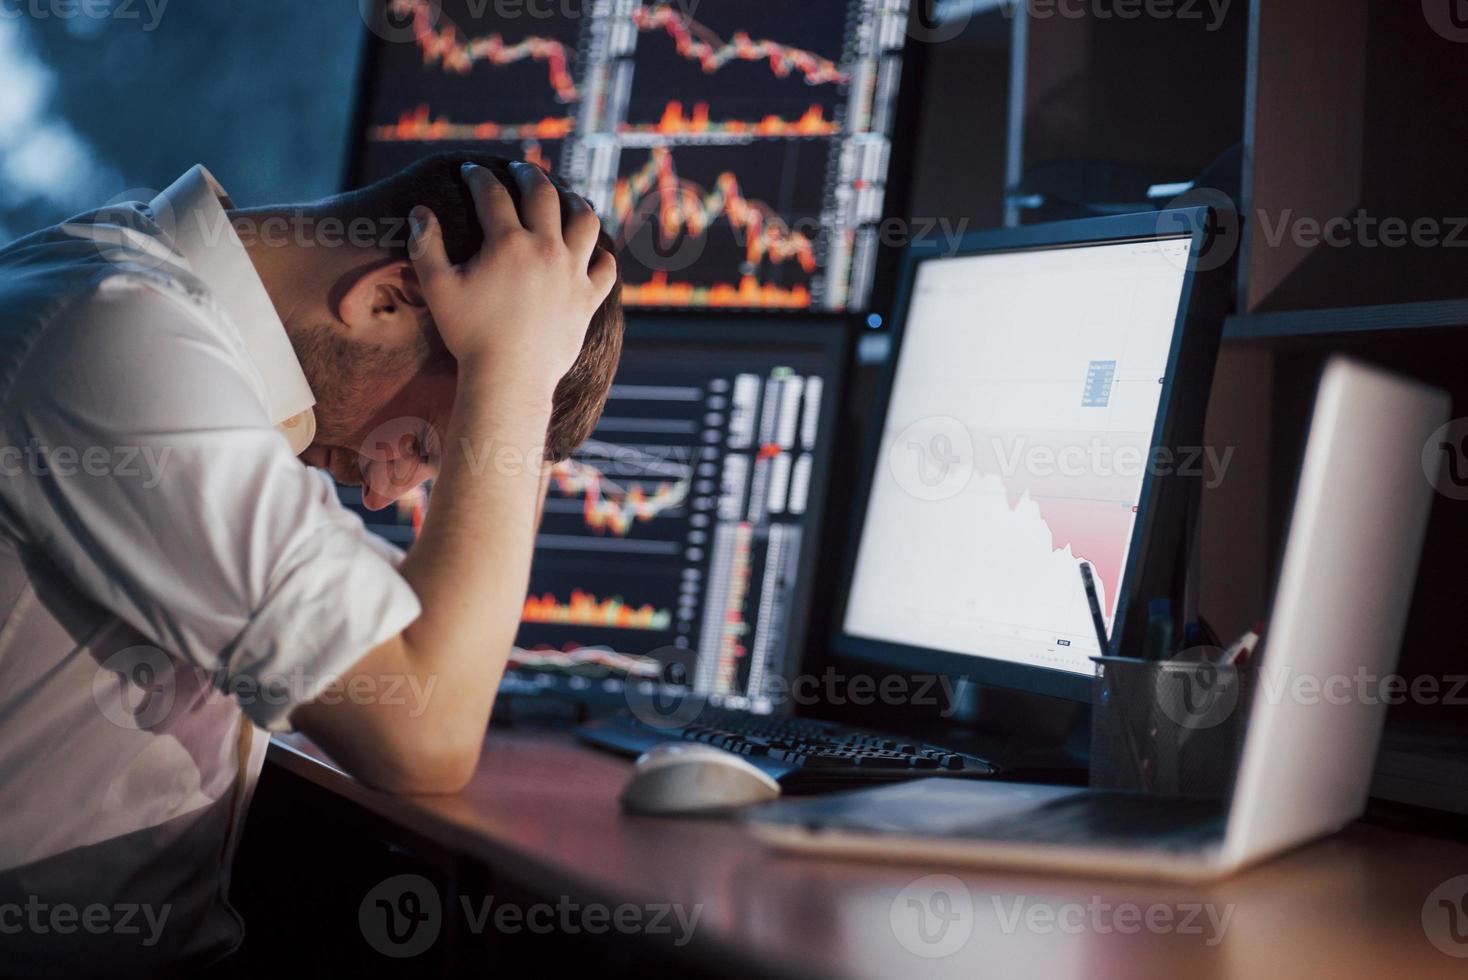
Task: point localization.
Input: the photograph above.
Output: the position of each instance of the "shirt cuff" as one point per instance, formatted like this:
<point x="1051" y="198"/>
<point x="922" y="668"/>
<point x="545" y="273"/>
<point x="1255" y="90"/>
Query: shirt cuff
<point x="338" y="600"/>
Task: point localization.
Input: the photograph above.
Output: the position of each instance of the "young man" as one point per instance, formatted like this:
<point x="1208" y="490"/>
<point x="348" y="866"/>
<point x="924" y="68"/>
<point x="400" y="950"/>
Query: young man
<point x="175" y="584"/>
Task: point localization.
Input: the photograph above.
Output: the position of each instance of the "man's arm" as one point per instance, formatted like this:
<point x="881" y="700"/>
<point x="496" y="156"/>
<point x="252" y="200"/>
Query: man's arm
<point x="514" y="318"/>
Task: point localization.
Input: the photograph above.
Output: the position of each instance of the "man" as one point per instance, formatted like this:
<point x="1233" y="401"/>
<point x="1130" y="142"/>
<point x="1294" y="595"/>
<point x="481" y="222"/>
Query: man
<point x="174" y="583"/>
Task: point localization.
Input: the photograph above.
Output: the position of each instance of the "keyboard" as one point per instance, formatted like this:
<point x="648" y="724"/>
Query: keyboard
<point x="803" y="755"/>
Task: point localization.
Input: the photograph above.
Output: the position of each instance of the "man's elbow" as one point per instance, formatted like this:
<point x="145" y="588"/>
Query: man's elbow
<point x="440" y="767"/>
<point x="436" y="753"/>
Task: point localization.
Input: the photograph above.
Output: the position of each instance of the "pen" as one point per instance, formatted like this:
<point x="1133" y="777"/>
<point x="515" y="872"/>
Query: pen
<point x="1240" y="650"/>
<point x="1097" y="620"/>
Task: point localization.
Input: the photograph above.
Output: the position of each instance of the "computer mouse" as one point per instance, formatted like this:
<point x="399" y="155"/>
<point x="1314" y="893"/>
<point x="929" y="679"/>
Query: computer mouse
<point x="688" y="779"/>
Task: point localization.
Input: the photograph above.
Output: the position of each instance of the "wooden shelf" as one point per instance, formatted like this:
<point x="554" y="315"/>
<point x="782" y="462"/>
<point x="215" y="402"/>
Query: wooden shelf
<point x="1347" y="128"/>
<point x="1433" y="315"/>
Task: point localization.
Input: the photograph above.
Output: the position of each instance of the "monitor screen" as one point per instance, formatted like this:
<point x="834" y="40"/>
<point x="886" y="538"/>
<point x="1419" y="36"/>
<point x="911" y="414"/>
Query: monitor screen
<point x="1018" y="435"/>
<point x="738" y="151"/>
<point x="676" y="544"/>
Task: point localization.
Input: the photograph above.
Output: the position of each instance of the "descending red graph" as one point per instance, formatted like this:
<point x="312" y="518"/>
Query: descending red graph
<point x="1095" y="531"/>
<point x="682" y="208"/>
<point x="1091" y="518"/>
<point x="443" y="46"/>
<point x="609" y="507"/>
<point x="674" y="123"/>
<point x="697" y="43"/>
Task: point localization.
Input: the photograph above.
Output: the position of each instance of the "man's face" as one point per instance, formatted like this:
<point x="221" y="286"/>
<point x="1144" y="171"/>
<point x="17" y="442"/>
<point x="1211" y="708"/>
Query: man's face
<point x="398" y="448"/>
<point x="384" y="386"/>
<point x="381" y="417"/>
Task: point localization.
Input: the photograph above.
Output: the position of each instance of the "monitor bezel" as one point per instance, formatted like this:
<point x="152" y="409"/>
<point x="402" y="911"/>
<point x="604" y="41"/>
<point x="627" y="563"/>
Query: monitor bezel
<point x="1197" y="325"/>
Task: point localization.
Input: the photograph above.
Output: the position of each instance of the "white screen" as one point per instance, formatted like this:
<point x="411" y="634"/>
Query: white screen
<point x="1017" y="440"/>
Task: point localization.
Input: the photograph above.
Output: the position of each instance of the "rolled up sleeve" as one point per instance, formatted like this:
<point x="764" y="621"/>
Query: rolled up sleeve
<point x="151" y="476"/>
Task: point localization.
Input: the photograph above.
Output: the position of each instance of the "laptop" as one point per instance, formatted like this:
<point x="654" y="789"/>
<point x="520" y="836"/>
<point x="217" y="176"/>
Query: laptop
<point x="1357" y="528"/>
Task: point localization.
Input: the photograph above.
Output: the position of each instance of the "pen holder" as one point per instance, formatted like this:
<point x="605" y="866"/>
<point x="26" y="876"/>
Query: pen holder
<point x="1167" y="727"/>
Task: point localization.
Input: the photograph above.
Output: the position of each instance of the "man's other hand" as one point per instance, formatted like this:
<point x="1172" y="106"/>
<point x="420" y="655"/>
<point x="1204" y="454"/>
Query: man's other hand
<point x="521" y="307"/>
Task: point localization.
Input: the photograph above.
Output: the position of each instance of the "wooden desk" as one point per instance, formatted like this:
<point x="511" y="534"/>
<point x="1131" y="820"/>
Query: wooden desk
<point x="544" y="809"/>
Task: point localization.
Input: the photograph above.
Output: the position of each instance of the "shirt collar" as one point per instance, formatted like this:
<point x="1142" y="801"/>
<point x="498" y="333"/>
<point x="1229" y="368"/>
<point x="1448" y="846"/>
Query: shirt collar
<point x="194" y="206"/>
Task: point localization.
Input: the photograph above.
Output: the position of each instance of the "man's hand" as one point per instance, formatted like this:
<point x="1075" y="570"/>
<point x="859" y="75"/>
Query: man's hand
<point x="515" y="317"/>
<point x="520" y="307"/>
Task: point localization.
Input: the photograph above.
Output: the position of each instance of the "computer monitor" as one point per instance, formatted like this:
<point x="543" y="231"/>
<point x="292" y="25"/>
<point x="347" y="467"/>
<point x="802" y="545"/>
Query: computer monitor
<point x="678" y="543"/>
<point x="738" y="151"/>
<point x="1036" y="373"/>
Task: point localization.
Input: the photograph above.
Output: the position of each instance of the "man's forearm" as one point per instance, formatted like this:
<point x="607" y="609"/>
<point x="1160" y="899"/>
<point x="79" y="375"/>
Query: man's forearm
<point x="471" y="562"/>
<point x="515" y="318"/>
<point x="469" y="568"/>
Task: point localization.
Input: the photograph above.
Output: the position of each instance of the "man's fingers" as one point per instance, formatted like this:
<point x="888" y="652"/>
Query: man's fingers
<point x="426" y="250"/>
<point x="540" y="205"/>
<point x="603" y="272"/>
<point x="582" y="227"/>
<point x="492" y="201"/>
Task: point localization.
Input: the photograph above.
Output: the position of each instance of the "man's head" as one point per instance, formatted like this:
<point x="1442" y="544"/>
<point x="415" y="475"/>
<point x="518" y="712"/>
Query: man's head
<point x="357" y="319"/>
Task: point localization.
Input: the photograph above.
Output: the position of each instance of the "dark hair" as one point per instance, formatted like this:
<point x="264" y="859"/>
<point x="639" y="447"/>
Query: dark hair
<point x="436" y="183"/>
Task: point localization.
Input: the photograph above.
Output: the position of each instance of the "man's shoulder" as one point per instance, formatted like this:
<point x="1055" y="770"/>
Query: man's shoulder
<point x="125" y="339"/>
<point x="78" y="290"/>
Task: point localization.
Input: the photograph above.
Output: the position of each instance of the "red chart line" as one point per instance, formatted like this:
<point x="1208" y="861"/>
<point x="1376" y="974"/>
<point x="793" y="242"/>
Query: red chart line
<point x="697" y="43"/>
<point x="443" y="46"/>
<point x="682" y="208"/>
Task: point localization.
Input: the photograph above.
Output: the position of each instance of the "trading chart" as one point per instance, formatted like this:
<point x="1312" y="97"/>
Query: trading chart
<point x="453" y="79"/>
<point x="738" y="153"/>
<point x="676" y="532"/>
<point x="675" y="543"/>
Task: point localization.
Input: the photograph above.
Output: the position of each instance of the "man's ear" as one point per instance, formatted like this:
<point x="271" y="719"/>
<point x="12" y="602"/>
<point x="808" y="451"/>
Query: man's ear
<point x="383" y="304"/>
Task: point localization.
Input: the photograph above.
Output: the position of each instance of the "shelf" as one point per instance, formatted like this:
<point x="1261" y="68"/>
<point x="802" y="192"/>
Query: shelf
<point x="1347" y="129"/>
<point x="1433" y="315"/>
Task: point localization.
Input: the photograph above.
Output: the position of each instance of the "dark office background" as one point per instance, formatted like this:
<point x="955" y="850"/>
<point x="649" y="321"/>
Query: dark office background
<point x="1348" y="115"/>
<point x="93" y="108"/>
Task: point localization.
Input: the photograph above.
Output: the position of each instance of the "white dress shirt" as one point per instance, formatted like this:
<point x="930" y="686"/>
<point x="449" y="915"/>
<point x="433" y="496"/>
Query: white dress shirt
<point x="173" y="581"/>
